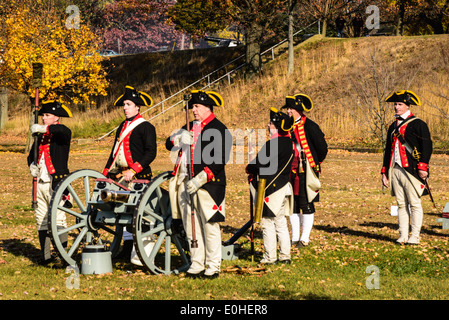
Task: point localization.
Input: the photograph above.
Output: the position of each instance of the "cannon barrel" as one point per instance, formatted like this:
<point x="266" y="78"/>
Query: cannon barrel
<point x="114" y="196"/>
<point x="260" y="200"/>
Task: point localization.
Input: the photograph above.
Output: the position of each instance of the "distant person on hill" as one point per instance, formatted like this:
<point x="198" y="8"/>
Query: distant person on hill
<point x="340" y="25"/>
<point x="53" y="143"/>
<point x="273" y="163"/>
<point x="406" y="164"/>
<point x="310" y="151"/>
<point x="134" y="148"/>
<point x="199" y="177"/>
<point x="357" y="23"/>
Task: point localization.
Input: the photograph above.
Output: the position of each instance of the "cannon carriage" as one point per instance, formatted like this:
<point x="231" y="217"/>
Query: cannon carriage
<point x="100" y="209"/>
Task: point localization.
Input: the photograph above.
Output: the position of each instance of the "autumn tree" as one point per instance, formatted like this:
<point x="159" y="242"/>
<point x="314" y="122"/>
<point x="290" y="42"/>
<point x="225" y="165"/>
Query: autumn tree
<point x="420" y="16"/>
<point x="327" y="10"/>
<point x="197" y="17"/>
<point x="32" y="32"/>
<point x="133" y="26"/>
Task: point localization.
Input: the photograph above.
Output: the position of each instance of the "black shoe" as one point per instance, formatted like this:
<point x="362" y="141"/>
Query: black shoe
<point x="195" y="275"/>
<point x="301" y="244"/>
<point x="287" y="261"/>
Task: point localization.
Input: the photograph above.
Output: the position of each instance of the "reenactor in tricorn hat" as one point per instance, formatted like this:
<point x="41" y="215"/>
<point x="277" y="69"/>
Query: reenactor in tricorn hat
<point x="209" y="143"/>
<point x="273" y="163"/>
<point x="406" y="163"/>
<point x="134" y="148"/>
<point x="310" y="150"/>
<point x="53" y="143"/>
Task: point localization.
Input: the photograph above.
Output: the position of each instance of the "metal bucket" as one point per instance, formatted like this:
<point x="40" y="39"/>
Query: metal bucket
<point x="96" y="259"/>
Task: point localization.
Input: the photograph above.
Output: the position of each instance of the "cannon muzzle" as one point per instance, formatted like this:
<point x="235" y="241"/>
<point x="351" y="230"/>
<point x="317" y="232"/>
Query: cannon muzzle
<point x="114" y="196"/>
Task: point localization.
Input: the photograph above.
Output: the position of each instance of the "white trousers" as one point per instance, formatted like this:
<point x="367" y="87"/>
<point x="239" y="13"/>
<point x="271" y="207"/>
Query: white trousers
<point x="406" y="196"/>
<point x="43" y="195"/>
<point x="276" y="228"/>
<point x="207" y="256"/>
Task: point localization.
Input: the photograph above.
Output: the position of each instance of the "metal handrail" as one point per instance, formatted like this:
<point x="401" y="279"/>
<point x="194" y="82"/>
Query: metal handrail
<point x="164" y="110"/>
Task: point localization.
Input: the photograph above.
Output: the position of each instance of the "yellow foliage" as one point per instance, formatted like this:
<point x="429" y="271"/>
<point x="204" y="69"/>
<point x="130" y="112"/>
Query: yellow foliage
<point x="72" y="70"/>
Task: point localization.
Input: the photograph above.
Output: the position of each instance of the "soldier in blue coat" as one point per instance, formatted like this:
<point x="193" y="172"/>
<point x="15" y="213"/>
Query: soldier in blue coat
<point x="310" y="151"/>
<point x="273" y="163"/>
<point x="53" y="143"/>
<point x="207" y="147"/>
<point x="406" y="164"/>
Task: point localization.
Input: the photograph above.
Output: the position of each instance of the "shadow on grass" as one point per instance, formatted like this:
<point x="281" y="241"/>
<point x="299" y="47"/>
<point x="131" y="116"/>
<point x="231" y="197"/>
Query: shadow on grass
<point x="357" y="233"/>
<point x="379" y="225"/>
<point x="19" y="248"/>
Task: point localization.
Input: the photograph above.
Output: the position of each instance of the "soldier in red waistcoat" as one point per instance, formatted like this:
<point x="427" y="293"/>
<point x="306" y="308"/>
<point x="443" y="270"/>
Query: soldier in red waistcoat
<point x="406" y="164"/>
<point x="134" y="148"/>
<point x="310" y="150"/>
<point x="207" y="146"/>
<point x="135" y="140"/>
<point x="54" y="145"/>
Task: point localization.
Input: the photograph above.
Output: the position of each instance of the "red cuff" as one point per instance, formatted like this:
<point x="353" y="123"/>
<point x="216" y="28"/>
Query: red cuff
<point x="423" y="166"/>
<point x="383" y="170"/>
<point x="136" y="167"/>
<point x="210" y="175"/>
<point x="105" y="172"/>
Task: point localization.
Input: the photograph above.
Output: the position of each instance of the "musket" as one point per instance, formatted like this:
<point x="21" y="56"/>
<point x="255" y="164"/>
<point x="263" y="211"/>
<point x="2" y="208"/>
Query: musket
<point x="37" y="82"/>
<point x="430" y="193"/>
<point x="194" y="242"/>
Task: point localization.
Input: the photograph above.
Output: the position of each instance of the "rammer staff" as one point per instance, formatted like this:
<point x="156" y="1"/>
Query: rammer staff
<point x="194" y="242"/>
<point x="37" y="82"/>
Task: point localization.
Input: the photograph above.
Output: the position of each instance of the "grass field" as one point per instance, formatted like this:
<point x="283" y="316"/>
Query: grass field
<point x="353" y="235"/>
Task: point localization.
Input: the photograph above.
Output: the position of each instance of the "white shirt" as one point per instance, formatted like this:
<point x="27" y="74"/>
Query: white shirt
<point x="44" y="176"/>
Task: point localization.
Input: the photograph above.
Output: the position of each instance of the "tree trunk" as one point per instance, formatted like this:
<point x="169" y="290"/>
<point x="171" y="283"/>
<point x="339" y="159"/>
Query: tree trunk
<point x="291" y="59"/>
<point x="253" y="61"/>
<point x="325" y="17"/>
<point x="3" y="107"/>
<point x="400" y="26"/>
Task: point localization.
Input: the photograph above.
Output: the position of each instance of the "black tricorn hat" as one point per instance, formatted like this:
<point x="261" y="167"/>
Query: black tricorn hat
<point x="207" y="98"/>
<point x="138" y="97"/>
<point x="282" y="121"/>
<point x="299" y="102"/>
<point x="56" y="108"/>
<point x="405" y="96"/>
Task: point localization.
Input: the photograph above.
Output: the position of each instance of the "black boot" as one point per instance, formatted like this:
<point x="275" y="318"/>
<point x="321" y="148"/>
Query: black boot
<point x="45" y="243"/>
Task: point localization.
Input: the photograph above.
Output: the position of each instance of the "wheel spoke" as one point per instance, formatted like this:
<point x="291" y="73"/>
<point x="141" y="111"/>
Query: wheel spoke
<point x="87" y="188"/>
<point x="157" y="245"/>
<point x="77" y="242"/>
<point x="75" y="226"/>
<point x="76" y="198"/>
<point x="73" y="213"/>
<point x="167" y="254"/>
<point x="152" y="214"/>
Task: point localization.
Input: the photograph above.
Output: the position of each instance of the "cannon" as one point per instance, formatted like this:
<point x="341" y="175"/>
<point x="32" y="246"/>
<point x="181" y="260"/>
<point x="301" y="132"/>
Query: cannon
<point x="101" y="208"/>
